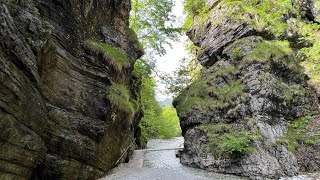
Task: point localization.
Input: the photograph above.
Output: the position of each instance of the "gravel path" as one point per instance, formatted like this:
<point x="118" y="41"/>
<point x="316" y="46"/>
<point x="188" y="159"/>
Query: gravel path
<point x="163" y="165"/>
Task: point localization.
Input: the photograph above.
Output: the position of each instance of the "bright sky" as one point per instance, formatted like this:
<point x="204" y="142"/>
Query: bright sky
<point x="170" y="62"/>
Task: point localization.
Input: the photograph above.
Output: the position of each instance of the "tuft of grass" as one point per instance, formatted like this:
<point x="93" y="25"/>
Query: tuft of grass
<point x="228" y="139"/>
<point x="119" y="96"/>
<point x="290" y="91"/>
<point x="193" y="8"/>
<point x="297" y="134"/>
<point x="223" y="72"/>
<point x="275" y="50"/>
<point x="114" y="56"/>
<point x="312" y="65"/>
<point x="200" y="95"/>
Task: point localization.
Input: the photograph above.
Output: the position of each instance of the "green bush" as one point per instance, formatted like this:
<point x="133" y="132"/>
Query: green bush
<point x="228" y="139"/>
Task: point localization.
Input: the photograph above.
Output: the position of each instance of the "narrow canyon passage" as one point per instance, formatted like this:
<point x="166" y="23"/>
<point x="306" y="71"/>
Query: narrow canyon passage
<point x="81" y="86"/>
<point x="159" y="162"/>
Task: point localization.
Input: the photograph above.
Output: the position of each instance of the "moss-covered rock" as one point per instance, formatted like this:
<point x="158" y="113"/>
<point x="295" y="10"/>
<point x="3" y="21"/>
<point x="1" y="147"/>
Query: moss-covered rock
<point x="115" y="57"/>
<point x="252" y="89"/>
<point x="121" y="98"/>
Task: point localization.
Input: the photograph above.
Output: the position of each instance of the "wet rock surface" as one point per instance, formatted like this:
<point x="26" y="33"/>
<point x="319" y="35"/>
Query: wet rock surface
<point x="55" y="119"/>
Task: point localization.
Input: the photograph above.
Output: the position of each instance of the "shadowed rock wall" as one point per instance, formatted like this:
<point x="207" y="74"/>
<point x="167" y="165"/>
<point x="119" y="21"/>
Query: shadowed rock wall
<point x="56" y="121"/>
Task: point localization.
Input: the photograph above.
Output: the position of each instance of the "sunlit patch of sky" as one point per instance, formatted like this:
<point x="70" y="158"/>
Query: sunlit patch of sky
<point x="170" y="61"/>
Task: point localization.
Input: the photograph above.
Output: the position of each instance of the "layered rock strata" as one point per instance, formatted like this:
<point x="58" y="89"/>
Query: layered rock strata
<point x="63" y="104"/>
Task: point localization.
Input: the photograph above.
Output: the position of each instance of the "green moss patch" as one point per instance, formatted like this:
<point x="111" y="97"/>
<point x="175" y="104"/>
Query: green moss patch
<point x="297" y="134"/>
<point x="228" y="139"/>
<point x="270" y="17"/>
<point x="205" y="97"/>
<point x="114" y="56"/>
<point x="274" y="53"/>
<point x="119" y="96"/>
<point x="264" y="15"/>
<point x="313" y="64"/>
<point x="290" y="91"/>
<point x="264" y="51"/>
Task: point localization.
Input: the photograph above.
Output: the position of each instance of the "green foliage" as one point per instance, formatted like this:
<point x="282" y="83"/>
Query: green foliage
<point x="36" y="11"/>
<point x="201" y="95"/>
<point x="277" y="52"/>
<point x="119" y="96"/>
<point x="297" y="134"/>
<point x="158" y="122"/>
<point x="267" y="15"/>
<point x="188" y="23"/>
<point x="228" y="139"/>
<point x="312" y="53"/>
<point x="275" y="18"/>
<point x="193" y="8"/>
<point x="262" y="15"/>
<point x="317" y="7"/>
<point x="114" y="56"/>
<point x="141" y="69"/>
<point x="153" y="23"/>
<point x="171" y="121"/>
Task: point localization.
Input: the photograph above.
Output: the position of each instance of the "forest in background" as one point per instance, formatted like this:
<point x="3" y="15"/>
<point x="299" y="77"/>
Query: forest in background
<point x="152" y="21"/>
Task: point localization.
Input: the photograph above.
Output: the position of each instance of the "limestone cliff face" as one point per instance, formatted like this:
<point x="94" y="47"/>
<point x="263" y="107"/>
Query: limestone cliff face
<point x="63" y="111"/>
<point x="251" y="111"/>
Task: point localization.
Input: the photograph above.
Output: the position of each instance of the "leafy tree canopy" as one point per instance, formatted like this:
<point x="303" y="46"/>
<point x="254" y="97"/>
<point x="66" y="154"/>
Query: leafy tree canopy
<point x="154" y="24"/>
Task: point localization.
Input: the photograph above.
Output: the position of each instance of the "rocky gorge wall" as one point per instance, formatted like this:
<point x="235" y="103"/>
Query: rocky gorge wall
<point x="251" y="112"/>
<point x="69" y="105"/>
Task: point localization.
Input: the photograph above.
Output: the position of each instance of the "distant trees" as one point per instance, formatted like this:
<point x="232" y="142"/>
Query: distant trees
<point x="154" y="25"/>
<point x="158" y="122"/>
